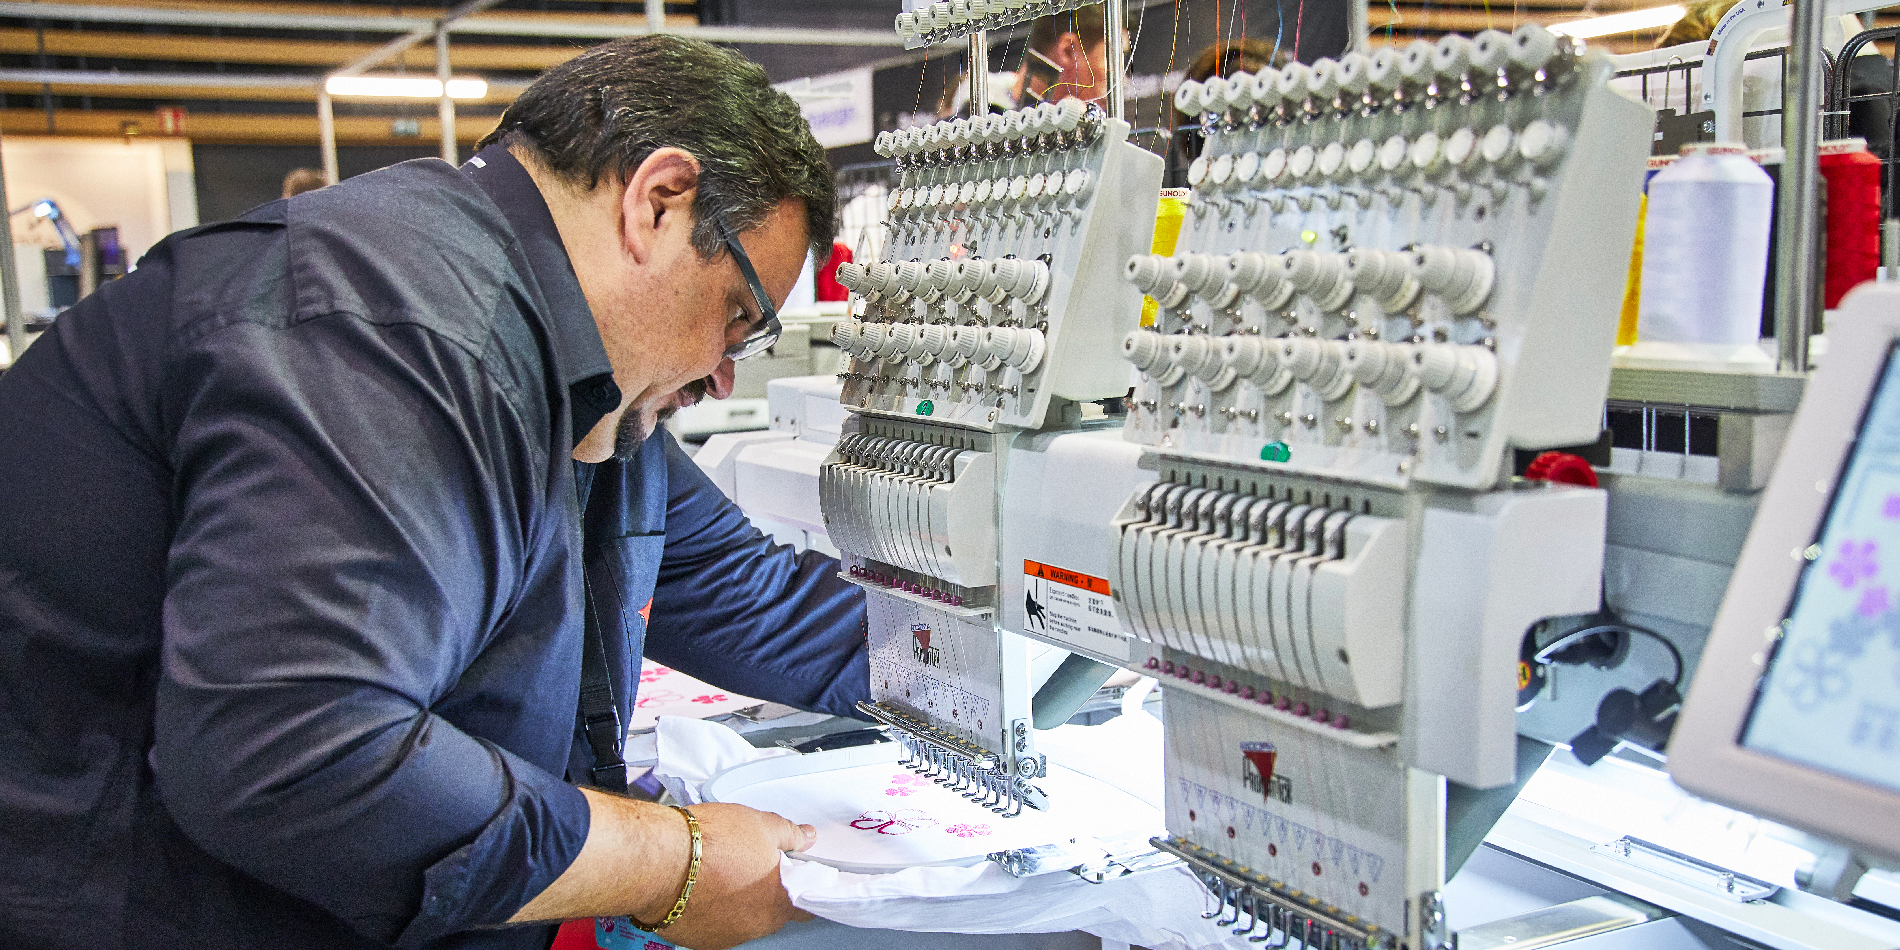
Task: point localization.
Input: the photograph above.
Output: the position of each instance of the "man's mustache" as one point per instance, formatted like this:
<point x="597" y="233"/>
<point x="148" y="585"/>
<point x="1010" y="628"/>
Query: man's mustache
<point x="695" y="392"/>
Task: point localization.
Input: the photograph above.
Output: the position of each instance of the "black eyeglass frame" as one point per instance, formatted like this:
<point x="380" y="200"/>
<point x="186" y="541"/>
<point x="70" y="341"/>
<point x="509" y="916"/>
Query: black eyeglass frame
<point x="764" y="334"/>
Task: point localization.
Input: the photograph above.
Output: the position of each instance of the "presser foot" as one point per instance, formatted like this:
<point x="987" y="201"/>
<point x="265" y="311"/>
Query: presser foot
<point x="980" y="776"/>
<point x="1262" y="903"/>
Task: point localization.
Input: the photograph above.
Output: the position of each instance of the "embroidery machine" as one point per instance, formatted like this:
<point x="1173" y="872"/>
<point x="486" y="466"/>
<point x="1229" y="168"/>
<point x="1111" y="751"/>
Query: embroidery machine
<point x="1398" y="272"/>
<point x="994" y="313"/>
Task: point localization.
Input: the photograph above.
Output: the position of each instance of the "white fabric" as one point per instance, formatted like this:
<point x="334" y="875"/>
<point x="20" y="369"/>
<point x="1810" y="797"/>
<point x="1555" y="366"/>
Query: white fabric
<point x="690" y="751"/>
<point x="1160" y="909"/>
<point x="880" y="817"/>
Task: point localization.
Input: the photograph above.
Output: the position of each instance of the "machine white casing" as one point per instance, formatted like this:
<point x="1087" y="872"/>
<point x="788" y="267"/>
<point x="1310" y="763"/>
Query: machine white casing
<point x="1061" y="489"/>
<point x="1487" y="567"/>
<point x="1706" y="754"/>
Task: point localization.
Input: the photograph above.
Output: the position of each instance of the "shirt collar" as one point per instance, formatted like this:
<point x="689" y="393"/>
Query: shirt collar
<point x="580" y="357"/>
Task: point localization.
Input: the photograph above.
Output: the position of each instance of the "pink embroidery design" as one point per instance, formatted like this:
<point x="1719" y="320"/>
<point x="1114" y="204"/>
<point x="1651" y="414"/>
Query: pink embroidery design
<point x="653" y="673"/>
<point x="715" y="698"/>
<point x="905" y="783"/>
<point x="658" y="697"/>
<point x="968" y="831"/>
<point x="898" y="821"/>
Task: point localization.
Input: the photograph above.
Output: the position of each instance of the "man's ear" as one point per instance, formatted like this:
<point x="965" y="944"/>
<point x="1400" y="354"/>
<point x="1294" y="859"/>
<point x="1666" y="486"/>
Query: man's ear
<point x="1068" y="52"/>
<point x="658" y="200"/>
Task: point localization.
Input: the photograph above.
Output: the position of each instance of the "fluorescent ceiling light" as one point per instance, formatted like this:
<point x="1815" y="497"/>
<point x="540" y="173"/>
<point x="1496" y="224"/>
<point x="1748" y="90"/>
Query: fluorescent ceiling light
<point x="1620" y="22"/>
<point x="404" y="87"/>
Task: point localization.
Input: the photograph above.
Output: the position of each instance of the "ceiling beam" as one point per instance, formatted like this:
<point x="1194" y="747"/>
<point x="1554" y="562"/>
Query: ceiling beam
<point x="321" y="53"/>
<point x="510" y="23"/>
<point x="301" y="18"/>
<point x="1621" y="43"/>
<point x="316" y="16"/>
<point x="237" y="87"/>
<point x="230" y="128"/>
<point x="1524" y="9"/>
<point x="1468" y="20"/>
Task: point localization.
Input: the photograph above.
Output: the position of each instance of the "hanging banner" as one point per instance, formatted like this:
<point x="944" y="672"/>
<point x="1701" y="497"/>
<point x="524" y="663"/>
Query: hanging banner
<point x="838" y="106"/>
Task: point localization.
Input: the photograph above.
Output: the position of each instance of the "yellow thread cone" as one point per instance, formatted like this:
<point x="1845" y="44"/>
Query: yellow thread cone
<point x="1633" y="287"/>
<point x="1168" y="217"/>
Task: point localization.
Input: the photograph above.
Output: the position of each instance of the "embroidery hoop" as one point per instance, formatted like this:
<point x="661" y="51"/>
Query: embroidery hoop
<point x="744" y="784"/>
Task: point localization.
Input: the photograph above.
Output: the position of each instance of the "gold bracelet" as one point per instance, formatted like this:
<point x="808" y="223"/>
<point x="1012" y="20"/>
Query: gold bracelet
<point x="686" y="890"/>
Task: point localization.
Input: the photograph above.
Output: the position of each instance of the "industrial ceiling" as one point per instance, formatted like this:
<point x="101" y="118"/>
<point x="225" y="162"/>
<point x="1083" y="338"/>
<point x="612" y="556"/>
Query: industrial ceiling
<point x="248" y="71"/>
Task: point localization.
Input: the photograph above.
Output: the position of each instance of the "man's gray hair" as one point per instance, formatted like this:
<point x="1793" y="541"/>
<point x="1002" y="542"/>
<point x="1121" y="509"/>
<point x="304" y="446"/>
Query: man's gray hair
<point x="603" y="112"/>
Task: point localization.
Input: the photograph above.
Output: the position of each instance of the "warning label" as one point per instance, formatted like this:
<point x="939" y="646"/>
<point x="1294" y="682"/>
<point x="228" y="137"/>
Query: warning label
<point x="1071" y="607"/>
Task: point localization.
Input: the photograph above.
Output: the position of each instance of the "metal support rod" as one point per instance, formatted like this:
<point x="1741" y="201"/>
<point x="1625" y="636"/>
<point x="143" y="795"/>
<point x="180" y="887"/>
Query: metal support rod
<point x="656" y="16"/>
<point x="1358" y="26"/>
<point x="445" y="106"/>
<point x="401" y="43"/>
<point x="1115" y="15"/>
<point x="326" y="132"/>
<point x="326" y="116"/>
<point x="10" y="290"/>
<point x="1797" y="210"/>
<point x="980" y="73"/>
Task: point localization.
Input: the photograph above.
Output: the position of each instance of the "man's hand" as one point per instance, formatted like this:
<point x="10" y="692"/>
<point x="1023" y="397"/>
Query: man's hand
<point x="739" y="896"/>
<point x="635" y="859"/>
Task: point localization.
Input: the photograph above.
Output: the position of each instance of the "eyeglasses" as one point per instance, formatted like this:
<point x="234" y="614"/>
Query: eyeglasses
<point x="765" y="333"/>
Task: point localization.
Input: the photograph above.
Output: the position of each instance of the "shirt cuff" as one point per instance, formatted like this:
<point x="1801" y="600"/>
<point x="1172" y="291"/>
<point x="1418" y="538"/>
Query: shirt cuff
<point x="536" y="833"/>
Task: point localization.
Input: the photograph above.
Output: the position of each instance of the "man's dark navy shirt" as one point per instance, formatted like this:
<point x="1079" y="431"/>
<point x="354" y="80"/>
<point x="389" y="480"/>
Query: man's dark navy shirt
<point x="291" y="580"/>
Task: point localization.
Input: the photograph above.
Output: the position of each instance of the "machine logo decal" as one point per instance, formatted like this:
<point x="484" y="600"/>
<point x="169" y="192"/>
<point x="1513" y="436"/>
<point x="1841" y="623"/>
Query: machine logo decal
<point x="920" y="647"/>
<point x="1257" y="771"/>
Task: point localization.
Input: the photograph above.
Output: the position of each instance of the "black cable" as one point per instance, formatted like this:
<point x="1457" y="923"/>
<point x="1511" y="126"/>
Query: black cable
<point x="1543" y="656"/>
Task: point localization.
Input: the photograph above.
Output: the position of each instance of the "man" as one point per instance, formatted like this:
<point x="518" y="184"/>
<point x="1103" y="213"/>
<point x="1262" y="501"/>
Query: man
<point x="292" y="575"/>
<point x="1068" y="57"/>
<point x="299" y="180"/>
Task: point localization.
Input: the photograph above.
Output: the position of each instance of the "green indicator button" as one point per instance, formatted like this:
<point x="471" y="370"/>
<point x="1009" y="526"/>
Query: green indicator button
<point x="1275" y="452"/>
<point x="926" y="408"/>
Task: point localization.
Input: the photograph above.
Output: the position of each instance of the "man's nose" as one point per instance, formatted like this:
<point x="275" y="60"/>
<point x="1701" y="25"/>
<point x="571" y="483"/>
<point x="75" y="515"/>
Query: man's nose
<point x="719" y="384"/>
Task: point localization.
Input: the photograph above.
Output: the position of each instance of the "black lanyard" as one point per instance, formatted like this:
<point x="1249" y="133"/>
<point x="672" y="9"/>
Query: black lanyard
<point x="599" y="716"/>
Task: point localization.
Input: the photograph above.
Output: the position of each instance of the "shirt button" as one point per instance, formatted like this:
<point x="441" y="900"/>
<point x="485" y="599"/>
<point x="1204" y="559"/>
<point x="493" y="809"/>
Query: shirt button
<point x="600" y="392"/>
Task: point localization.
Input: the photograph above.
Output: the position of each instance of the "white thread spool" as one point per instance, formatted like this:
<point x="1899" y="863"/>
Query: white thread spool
<point x="1705" y="253"/>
